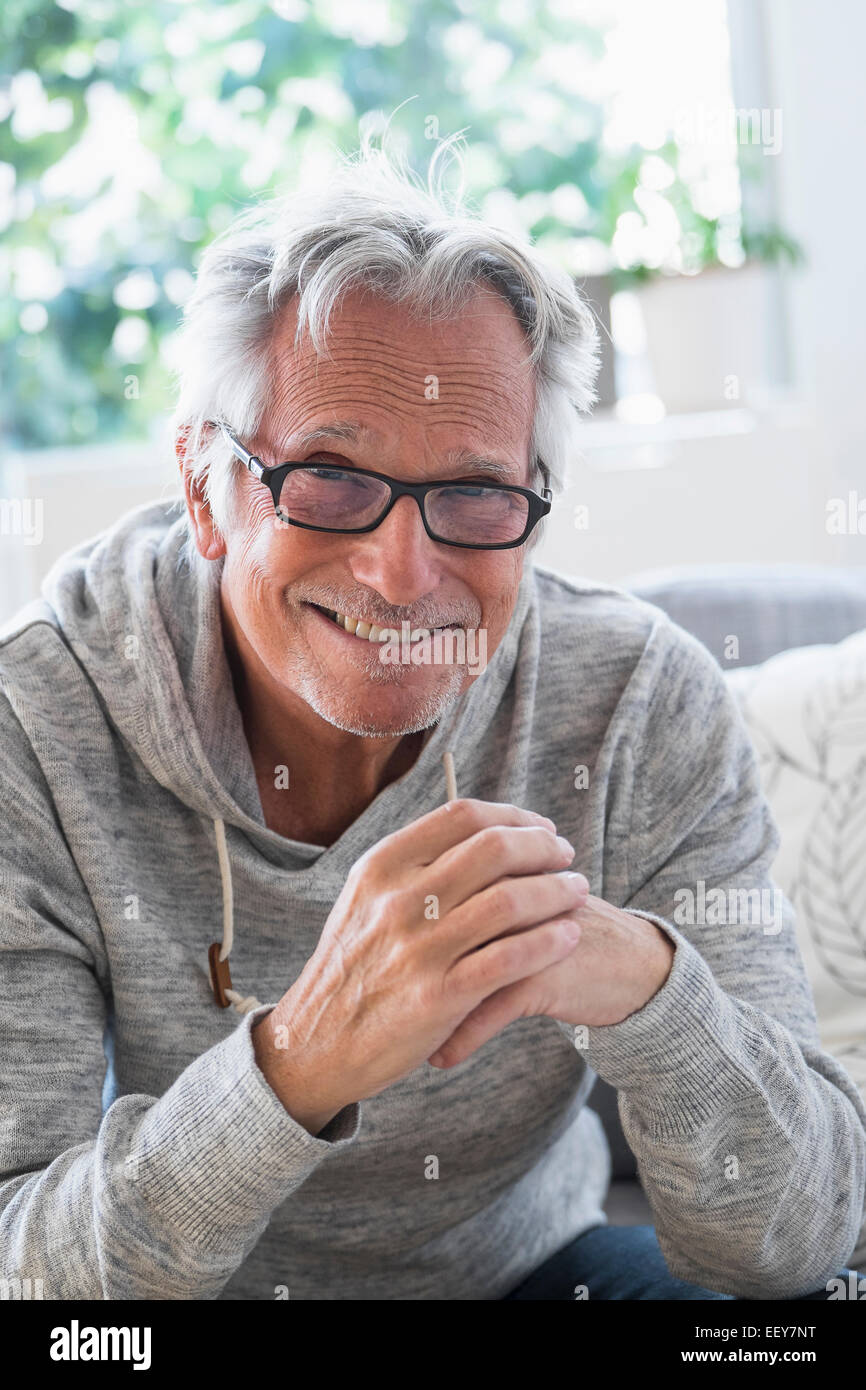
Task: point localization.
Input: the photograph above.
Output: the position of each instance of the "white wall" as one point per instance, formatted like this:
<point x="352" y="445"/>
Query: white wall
<point x="63" y="497"/>
<point x="753" y="496"/>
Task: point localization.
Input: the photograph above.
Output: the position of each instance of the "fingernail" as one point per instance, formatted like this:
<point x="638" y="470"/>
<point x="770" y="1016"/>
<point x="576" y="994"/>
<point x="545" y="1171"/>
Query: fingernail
<point x="564" y="845"/>
<point x="583" y="880"/>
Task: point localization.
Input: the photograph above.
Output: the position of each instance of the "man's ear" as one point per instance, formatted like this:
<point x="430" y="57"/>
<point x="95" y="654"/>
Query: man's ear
<point x="209" y="543"/>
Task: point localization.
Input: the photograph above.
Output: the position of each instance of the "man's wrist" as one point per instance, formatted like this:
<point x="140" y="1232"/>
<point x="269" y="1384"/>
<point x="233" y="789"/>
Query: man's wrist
<point x="666" y="953"/>
<point x="284" y="1081"/>
<point x="655" y="963"/>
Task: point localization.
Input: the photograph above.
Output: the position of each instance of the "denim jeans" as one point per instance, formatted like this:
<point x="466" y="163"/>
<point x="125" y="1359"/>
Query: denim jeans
<point x="617" y="1262"/>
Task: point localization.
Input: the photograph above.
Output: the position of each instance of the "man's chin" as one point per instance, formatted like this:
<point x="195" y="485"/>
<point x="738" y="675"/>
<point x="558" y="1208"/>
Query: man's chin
<point x="389" y="711"/>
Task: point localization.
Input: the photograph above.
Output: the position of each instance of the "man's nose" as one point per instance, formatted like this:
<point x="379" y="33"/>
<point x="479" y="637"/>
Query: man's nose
<point x="398" y="559"/>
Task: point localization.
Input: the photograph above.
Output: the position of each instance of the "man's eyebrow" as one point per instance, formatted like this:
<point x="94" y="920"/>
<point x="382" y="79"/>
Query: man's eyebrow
<point x="469" y="462"/>
<point x="463" y="461"/>
<point x="338" y="429"/>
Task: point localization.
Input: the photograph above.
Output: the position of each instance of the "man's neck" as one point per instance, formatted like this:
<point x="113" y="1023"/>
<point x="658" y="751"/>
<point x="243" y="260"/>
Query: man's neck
<point x="323" y="797"/>
<point x="314" y="779"/>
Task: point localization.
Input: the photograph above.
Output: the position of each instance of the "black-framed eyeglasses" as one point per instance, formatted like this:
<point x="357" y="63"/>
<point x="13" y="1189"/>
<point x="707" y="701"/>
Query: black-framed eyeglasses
<point x="326" y="497"/>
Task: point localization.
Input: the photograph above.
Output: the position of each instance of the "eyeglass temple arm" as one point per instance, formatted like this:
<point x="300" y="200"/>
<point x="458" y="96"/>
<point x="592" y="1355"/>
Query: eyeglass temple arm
<point x="546" y="493"/>
<point x="253" y="463"/>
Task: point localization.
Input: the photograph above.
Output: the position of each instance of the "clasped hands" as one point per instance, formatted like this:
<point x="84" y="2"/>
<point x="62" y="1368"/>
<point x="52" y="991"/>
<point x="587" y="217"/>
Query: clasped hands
<point x="446" y="931"/>
<point x="616" y="966"/>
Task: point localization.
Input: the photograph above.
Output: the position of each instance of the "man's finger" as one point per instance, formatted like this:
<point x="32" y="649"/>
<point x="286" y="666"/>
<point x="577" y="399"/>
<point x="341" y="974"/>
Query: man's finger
<point x="423" y="840"/>
<point x="502" y="853"/>
<point x="490" y="1017"/>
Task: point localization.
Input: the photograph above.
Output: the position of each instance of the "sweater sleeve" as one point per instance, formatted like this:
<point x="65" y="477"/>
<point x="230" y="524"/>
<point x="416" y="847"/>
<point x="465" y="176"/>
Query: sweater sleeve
<point x="159" y="1197"/>
<point x="750" y="1140"/>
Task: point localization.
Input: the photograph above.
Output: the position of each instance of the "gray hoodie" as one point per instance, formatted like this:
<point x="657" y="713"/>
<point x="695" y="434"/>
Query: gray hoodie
<point x="124" y="767"/>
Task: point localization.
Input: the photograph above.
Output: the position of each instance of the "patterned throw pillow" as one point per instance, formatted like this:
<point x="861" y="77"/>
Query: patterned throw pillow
<point x="806" y="713"/>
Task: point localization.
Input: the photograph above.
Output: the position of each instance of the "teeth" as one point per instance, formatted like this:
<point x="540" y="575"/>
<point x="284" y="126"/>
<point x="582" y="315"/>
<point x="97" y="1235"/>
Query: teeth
<point x="367" y="631"/>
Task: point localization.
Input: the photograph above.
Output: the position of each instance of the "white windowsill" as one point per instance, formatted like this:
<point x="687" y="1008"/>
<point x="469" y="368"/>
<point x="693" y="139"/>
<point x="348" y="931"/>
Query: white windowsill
<point x="612" y="444"/>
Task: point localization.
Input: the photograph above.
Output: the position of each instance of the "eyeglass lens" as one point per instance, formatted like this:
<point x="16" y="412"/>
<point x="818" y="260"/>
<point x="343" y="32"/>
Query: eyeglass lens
<point x="347" y="500"/>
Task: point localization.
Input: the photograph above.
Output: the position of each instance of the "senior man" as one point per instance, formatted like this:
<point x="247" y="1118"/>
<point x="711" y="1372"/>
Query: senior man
<point x="202" y="724"/>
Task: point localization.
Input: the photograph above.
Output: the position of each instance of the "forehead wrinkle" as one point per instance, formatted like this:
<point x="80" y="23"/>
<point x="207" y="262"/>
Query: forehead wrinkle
<point x="501" y="470"/>
<point x="338" y="387"/>
<point x="478" y="418"/>
<point x="458" y="407"/>
<point x="351" y="379"/>
<point x="370" y="351"/>
<point x="456" y="399"/>
<point x="455" y="379"/>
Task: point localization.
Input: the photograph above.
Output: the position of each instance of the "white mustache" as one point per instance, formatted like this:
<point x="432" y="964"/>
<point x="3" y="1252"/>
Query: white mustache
<point x="368" y="613"/>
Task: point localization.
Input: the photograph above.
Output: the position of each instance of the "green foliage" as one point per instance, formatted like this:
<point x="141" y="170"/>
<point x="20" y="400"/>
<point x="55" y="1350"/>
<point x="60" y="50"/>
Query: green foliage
<point x="137" y="128"/>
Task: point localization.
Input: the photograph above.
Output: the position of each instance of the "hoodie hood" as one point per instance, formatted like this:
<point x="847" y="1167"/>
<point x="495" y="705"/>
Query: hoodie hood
<point x="146" y="628"/>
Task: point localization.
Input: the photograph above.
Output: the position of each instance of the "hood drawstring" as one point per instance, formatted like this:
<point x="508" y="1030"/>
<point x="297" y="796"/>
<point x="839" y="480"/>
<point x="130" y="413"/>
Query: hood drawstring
<point x="218" y="952"/>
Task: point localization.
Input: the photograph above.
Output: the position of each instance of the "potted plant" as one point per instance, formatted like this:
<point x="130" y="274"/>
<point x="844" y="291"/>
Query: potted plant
<point x="709" y="287"/>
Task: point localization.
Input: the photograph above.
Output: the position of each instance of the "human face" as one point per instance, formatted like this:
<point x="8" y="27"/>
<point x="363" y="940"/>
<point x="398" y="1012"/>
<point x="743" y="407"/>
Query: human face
<point x="418" y="391"/>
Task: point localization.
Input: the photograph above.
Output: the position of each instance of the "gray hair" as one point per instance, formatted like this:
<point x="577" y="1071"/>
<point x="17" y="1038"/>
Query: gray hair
<point x="375" y="225"/>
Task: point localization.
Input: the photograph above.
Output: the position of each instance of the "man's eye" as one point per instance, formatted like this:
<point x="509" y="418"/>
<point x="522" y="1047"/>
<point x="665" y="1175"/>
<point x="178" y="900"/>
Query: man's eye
<point x="332" y="473"/>
<point x="466" y="491"/>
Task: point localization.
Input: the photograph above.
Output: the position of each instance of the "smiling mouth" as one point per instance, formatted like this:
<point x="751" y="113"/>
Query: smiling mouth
<point x="355" y="627"/>
<point x="371" y="632"/>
